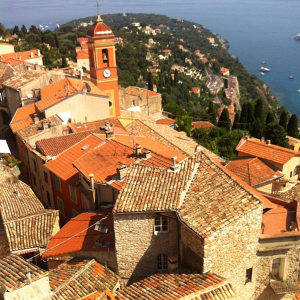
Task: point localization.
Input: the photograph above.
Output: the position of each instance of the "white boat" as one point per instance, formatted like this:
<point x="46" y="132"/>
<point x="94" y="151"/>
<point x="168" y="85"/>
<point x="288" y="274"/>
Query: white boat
<point x="262" y="73"/>
<point x="263" y="69"/>
<point x="263" y="62"/>
<point x="297" y="37"/>
<point x="291" y="77"/>
<point x="298" y="91"/>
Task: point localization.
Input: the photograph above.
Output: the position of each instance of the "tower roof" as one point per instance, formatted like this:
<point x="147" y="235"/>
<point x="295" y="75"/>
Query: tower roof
<point x="99" y="29"/>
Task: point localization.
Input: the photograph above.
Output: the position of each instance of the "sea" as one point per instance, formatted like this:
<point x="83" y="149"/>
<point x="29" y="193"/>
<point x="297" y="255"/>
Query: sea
<point x="257" y="30"/>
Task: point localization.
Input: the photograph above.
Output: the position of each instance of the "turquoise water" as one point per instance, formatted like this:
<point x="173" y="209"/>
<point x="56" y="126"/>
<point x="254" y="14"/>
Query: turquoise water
<point x="257" y="30"/>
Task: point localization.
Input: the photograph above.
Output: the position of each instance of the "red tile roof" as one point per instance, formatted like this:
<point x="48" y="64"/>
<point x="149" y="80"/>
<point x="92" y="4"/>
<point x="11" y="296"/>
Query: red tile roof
<point x="216" y="197"/>
<point x="62" y="165"/>
<point x="99" y="29"/>
<point x="272" y="153"/>
<point x="12" y="272"/>
<point x="22" y="212"/>
<point x="77" y="279"/>
<point x="83" y="54"/>
<point x="202" y="124"/>
<point x="166" y="121"/>
<point x="25" y="55"/>
<point x="84" y="240"/>
<point x="55" y="146"/>
<point x="253" y="170"/>
<point x="171" y="286"/>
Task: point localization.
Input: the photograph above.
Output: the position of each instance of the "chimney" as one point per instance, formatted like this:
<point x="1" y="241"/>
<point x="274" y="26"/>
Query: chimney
<point x="268" y="142"/>
<point x="19" y="57"/>
<point x="38" y="52"/>
<point x="138" y="150"/>
<point x="262" y="139"/>
<point x="148" y="154"/>
<point x="45" y="124"/>
<point x="121" y="172"/>
<point x="27" y="274"/>
<point x="172" y="262"/>
<point x="174" y="167"/>
<point x="197" y="148"/>
<point x="109" y="135"/>
<point x="31" y="54"/>
<point x="92" y="191"/>
<point x="35" y="119"/>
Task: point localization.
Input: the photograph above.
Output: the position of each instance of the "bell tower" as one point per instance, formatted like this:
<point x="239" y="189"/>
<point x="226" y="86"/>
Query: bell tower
<point x="103" y="68"/>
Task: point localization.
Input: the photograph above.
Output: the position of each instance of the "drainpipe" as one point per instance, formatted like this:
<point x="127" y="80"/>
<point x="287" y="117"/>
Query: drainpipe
<point x="92" y="191"/>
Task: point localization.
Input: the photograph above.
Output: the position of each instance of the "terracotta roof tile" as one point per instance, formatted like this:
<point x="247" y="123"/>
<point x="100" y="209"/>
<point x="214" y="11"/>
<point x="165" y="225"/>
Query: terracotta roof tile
<point x="77" y="279"/>
<point x="25" y="55"/>
<point x="166" y="121"/>
<point x="22" y="78"/>
<point x="202" y="124"/>
<point x="12" y="272"/>
<point x="273" y="153"/>
<point x="62" y="165"/>
<point x="290" y="194"/>
<point x="253" y="170"/>
<point x="55" y="146"/>
<point x="83" y="54"/>
<point x="178" y="287"/>
<point x="26" y="222"/>
<point x="100" y="29"/>
<point x="85" y="241"/>
<point x="215" y="197"/>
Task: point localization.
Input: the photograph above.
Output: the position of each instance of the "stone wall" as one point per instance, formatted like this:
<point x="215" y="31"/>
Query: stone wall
<point x="232" y="250"/>
<point x="137" y="247"/>
<point x="263" y="291"/>
<point x="191" y="249"/>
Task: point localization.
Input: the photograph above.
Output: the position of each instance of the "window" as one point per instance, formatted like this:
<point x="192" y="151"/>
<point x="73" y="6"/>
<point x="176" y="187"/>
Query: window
<point x="291" y="174"/>
<point x="132" y="102"/>
<point x="249" y="275"/>
<point x="104" y="55"/>
<point x="73" y="194"/>
<point x="296" y="170"/>
<point x="74" y="213"/>
<point x="48" y="198"/>
<point x="46" y="177"/>
<point x="162" y="262"/>
<point x="60" y="206"/>
<point x="57" y="183"/>
<point x="161" y="224"/>
<point x="277" y="269"/>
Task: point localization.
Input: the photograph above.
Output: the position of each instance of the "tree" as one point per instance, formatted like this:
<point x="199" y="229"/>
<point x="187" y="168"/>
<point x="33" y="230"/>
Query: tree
<point x="257" y="128"/>
<point x="224" y="120"/>
<point x="23" y="29"/>
<point x="276" y="133"/>
<point x="243" y="117"/>
<point x="56" y="40"/>
<point x="292" y="127"/>
<point x="2" y="29"/>
<point x="184" y="123"/>
<point x="270" y="118"/>
<point x="16" y="30"/>
<point x="64" y="63"/>
<point x="259" y="110"/>
<point x="176" y="77"/>
<point x="212" y="113"/>
<point x="150" y="81"/>
<point x="236" y="123"/>
<point x="250" y="114"/>
<point x="283" y="119"/>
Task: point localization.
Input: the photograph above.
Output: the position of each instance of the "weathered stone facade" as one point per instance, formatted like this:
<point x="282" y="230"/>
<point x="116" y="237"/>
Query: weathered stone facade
<point x="150" y="104"/>
<point x="137" y="247"/>
<point x="232" y="250"/>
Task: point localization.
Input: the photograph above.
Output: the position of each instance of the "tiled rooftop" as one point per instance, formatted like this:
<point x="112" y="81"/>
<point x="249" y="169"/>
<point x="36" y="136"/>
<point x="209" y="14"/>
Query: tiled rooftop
<point x="34" y="129"/>
<point x="273" y="153"/>
<point x="12" y="272"/>
<point x="77" y="279"/>
<point x="26" y="222"/>
<point x="164" y="135"/>
<point x="253" y="170"/>
<point x="25" y="55"/>
<point x="22" y="78"/>
<point x="215" y="198"/>
<point x="291" y="194"/>
<point x="61" y="243"/>
<point x="202" y="124"/>
<point x="154" y="189"/>
<point x="62" y="165"/>
<point x="55" y="146"/>
<point x="190" y="286"/>
<point x="165" y="121"/>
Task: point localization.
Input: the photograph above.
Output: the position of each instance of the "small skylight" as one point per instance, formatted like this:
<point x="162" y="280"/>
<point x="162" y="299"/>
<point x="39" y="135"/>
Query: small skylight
<point x="85" y="147"/>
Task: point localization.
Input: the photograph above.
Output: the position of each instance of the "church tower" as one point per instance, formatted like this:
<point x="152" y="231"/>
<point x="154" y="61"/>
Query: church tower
<point x="103" y="68"/>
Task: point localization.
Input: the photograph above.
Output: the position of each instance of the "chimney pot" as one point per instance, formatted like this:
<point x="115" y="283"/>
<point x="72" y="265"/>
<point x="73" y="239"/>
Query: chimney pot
<point x="197" y="148"/>
<point x="138" y="150"/>
<point x="174" y="160"/>
<point x="268" y="142"/>
<point x="35" y="119"/>
<point x="148" y="154"/>
<point x="121" y="172"/>
<point x="31" y="54"/>
<point x="262" y="139"/>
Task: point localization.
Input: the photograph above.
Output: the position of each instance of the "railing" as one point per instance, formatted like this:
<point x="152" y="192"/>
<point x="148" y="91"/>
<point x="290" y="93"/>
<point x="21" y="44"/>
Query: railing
<point x="283" y="286"/>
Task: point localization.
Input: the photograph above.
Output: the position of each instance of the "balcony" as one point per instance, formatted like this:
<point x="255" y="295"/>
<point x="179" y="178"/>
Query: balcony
<point x="283" y="286"/>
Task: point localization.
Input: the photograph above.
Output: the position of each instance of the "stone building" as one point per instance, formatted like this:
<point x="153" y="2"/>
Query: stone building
<point x="196" y="213"/>
<point x="148" y="102"/>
